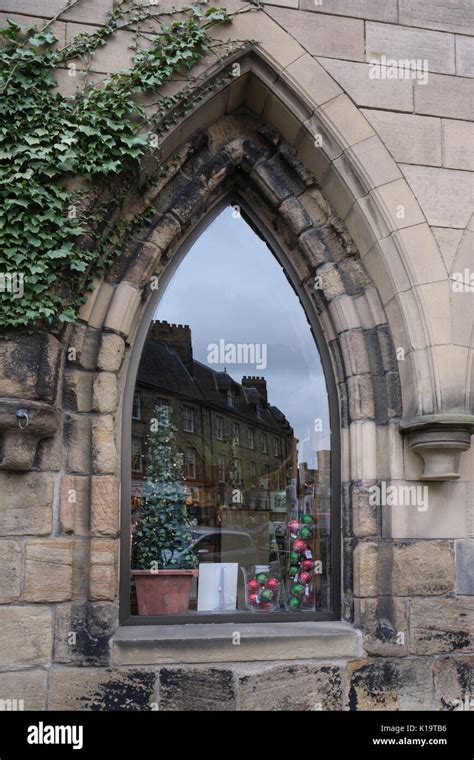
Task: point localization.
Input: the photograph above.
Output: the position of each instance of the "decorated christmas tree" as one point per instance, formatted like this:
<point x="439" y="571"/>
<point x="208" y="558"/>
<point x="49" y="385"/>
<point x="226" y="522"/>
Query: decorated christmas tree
<point x="163" y="539"/>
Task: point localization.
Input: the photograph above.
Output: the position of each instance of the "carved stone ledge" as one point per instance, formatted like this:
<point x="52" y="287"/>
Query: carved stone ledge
<point x="439" y="439"/>
<point x="23" y="424"/>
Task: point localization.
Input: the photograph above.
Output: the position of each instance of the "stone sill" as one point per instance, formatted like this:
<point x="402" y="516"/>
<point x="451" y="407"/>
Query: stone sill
<point x="211" y="643"/>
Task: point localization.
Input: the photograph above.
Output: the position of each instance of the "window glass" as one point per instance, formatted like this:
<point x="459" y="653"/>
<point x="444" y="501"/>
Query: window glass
<point x="231" y="449"/>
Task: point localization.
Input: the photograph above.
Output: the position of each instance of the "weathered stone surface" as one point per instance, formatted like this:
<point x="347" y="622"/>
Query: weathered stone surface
<point x="456" y="135"/>
<point x="23" y="690"/>
<point x="441" y="626"/>
<point x="274" y="179"/>
<point x="111" y="352"/>
<point x="452" y="97"/>
<point x="26" y="504"/>
<point x="422" y="568"/>
<point x="323" y="35"/>
<point x="314" y="246"/>
<point x="446" y="196"/>
<point x="10" y="560"/>
<point x="103" y="570"/>
<point x="29" y="367"/>
<point x="74" y="500"/>
<point x="295" y="215"/>
<point x="104" y="453"/>
<point x="319" y="687"/>
<point x="83" y="346"/>
<point x="354" y="351"/>
<point x="196" y="689"/>
<point x="48" y="570"/>
<point x="366" y="568"/>
<point x="368" y="9"/>
<point x="464" y="56"/>
<point x="384" y="622"/>
<point x="465" y="567"/>
<point x="102" y="689"/>
<point x="105" y="507"/>
<point x="371" y="93"/>
<point x="83" y="631"/>
<point x="410" y="139"/>
<point x="361" y="397"/>
<point x="454" y="683"/>
<point x="403" y="684"/>
<point x="105" y="393"/>
<point x="403" y="43"/>
<point x="25" y="636"/>
<point x="77" y="390"/>
<point x="77" y="443"/>
<point x="331" y="281"/>
<point x="433" y="14"/>
<point x="364" y="515"/>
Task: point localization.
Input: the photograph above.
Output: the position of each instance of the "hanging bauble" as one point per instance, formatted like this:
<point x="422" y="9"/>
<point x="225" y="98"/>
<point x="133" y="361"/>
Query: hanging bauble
<point x="297" y="589"/>
<point x="292" y="571"/>
<point x="307" y="564"/>
<point x="305" y="533"/>
<point x="294" y="557"/>
<point x="299" y="546"/>
<point x="294" y="602"/>
<point x="293" y="525"/>
<point x="307" y="519"/>
<point x="304" y="577"/>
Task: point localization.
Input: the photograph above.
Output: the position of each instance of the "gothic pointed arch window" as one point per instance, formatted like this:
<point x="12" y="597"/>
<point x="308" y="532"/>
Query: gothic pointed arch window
<point x="234" y="506"/>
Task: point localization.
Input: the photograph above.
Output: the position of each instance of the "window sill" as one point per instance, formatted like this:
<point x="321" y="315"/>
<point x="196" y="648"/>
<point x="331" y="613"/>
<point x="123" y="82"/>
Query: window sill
<point x="213" y="642"/>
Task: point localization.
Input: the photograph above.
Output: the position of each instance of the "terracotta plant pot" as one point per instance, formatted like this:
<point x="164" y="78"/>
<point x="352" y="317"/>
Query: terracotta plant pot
<point x="163" y="592"/>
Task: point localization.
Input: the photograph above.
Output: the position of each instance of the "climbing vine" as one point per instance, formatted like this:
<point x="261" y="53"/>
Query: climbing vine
<point x="56" y="149"/>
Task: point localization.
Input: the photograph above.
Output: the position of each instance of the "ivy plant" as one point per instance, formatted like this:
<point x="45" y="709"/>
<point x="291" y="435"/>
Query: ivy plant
<point x="56" y="148"/>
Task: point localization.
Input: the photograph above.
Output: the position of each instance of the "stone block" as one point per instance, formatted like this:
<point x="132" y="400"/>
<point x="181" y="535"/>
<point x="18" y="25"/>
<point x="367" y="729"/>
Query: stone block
<point x="103" y="570"/>
<point x="97" y="304"/>
<point x="10" y="570"/>
<point x="346" y="122"/>
<point x="77" y="443"/>
<point x="77" y="390"/>
<point x="29" y="367"/>
<point x="83" y="346"/>
<point x="403" y="684"/>
<point x="309" y="78"/>
<point x="271" y="688"/>
<point x="97" y="689"/>
<point x="402" y="43"/>
<point x="452" y="97"/>
<point x="105" y="506"/>
<point x="442" y="626"/>
<point x="366" y="568"/>
<point x="74" y="499"/>
<point x="123" y="308"/>
<point x="436" y="14"/>
<point x="27" y="687"/>
<point x="364" y="515"/>
<point x="82" y="633"/>
<point x="457" y="135"/>
<point x="446" y="196"/>
<point x="454" y="683"/>
<point x="448" y="242"/>
<point x="105" y="393"/>
<point x="366" y="9"/>
<point x="384" y="623"/>
<point x="422" y="568"/>
<point x="361" y="397"/>
<point x="465" y="566"/>
<point x="48" y="570"/>
<point x="25" y="636"/>
<point x="104" y="453"/>
<point x="111" y="352"/>
<point x="354" y="351"/>
<point x="464" y="56"/>
<point x="27" y="504"/>
<point x="410" y="139"/>
<point x="363" y="447"/>
<point x="196" y="689"/>
<point x="330" y="36"/>
<point x="394" y="95"/>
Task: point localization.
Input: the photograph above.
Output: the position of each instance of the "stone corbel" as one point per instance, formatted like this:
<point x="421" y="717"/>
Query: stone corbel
<point x="23" y="424"/>
<point x="439" y="439"/>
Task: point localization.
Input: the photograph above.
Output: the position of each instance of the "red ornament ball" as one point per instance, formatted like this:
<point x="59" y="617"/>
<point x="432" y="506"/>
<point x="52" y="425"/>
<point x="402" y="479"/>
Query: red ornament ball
<point x="307" y="564"/>
<point x="253" y="585"/>
<point x="252" y="599"/>
<point x="293" y="525"/>
<point x="299" y="546"/>
<point x="272" y="584"/>
<point x="304" y="577"/>
<point x="266" y="606"/>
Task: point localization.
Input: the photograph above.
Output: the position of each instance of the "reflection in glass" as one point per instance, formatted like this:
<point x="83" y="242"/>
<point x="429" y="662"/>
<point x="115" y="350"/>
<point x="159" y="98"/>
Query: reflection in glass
<point x="230" y="382"/>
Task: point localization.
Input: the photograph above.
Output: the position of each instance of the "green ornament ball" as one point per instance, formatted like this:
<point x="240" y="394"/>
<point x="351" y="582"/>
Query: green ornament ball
<point x="307" y="519"/>
<point x="261" y="577"/>
<point x="294" y="602"/>
<point x="297" y="589"/>
<point x="293" y="570"/>
<point x="294" y="556"/>
<point x="305" y="532"/>
<point x="266" y="595"/>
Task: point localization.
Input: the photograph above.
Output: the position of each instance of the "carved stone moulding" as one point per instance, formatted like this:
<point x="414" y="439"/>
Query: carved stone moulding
<point x="439" y="439"/>
<point x="23" y="424"/>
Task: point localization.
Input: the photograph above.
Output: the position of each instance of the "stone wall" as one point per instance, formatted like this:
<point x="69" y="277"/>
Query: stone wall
<point x="382" y="211"/>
